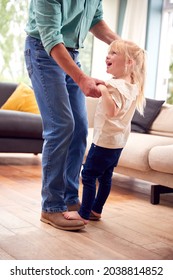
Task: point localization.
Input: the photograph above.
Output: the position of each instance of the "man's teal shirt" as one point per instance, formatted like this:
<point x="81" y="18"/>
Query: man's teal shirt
<point x="65" y="21"/>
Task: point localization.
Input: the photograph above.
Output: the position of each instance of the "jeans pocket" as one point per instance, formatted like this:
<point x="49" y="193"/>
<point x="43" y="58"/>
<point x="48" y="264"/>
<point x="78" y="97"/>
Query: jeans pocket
<point x="29" y="68"/>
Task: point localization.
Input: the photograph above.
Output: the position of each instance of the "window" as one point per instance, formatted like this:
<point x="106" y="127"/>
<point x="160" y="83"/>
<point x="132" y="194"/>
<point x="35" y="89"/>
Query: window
<point x="14" y="17"/>
<point x="165" y="65"/>
<point x="12" y="35"/>
<point x="86" y="54"/>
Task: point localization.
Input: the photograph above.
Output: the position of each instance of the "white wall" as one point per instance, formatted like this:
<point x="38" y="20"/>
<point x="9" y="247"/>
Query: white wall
<point x="110" y="9"/>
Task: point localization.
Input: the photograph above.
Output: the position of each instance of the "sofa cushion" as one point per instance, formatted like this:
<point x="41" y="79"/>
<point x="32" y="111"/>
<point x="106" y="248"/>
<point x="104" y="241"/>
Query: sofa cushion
<point x="161" y="158"/>
<point x="141" y="123"/>
<point x="22" y="99"/>
<point x="91" y="104"/>
<point x="89" y="139"/>
<point x="135" y="153"/>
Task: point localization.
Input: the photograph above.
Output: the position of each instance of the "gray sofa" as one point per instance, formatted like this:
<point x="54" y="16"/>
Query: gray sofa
<point x="146" y="156"/>
<point x="20" y="132"/>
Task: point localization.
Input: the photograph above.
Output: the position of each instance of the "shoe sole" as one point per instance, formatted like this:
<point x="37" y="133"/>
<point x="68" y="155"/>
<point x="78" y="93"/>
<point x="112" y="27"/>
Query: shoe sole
<point x="75" y="228"/>
<point x="93" y="217"/>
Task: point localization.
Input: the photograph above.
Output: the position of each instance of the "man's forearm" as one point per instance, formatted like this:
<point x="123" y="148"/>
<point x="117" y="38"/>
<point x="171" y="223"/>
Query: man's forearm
<point x="102" y="31"/>
<point x="87" y="84"/>
<point x="64" y="60"/>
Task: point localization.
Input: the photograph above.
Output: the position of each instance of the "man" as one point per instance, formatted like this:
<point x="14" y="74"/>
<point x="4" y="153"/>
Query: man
<point x="56" y="30"/>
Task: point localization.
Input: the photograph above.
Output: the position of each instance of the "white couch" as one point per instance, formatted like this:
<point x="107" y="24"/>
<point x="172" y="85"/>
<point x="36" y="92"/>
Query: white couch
<point x="146" y="156"/>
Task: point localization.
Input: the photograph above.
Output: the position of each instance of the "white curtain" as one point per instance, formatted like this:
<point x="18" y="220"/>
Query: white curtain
<point x="134" y="25"/>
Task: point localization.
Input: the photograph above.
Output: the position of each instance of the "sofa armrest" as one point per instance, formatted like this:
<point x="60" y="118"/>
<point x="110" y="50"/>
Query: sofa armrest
<point x="20" y="124"/>
<point x="162" y="125"/>
<point x="6" y="89"/>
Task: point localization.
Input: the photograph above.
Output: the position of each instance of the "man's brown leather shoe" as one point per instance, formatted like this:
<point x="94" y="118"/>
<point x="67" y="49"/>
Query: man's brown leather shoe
<point x="57" y="220"/>
<point x="74" y="207"/>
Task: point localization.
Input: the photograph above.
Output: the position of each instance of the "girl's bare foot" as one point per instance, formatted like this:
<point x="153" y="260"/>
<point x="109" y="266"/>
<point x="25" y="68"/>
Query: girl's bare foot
<point x="74" y="215"/>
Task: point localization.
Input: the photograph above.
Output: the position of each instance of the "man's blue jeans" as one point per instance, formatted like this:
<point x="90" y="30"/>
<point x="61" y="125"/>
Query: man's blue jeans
<point x="99" y="164"/>
<point x="63" y="111"/>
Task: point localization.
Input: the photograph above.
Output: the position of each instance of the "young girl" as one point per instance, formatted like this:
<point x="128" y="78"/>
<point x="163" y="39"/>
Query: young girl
<point x="121" y="95"/>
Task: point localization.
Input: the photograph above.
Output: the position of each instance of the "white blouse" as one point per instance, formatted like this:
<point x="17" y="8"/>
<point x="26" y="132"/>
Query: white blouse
<point x="113" y="132"/>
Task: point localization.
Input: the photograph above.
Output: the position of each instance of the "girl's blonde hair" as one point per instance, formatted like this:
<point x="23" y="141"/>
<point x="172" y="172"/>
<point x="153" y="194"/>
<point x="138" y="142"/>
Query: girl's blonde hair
<point x="138" y="70"/>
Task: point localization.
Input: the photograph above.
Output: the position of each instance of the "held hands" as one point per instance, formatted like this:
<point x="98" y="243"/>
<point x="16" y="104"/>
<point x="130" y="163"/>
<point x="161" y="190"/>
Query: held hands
<point x="89" y="86"/>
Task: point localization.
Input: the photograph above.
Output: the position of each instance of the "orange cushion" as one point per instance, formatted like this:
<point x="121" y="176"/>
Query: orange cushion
<point x="22" y="99"/>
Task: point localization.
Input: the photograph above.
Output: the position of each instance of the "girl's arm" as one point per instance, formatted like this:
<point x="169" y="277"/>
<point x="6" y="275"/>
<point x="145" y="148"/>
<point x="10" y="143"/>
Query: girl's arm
<point x="109" y="104"/>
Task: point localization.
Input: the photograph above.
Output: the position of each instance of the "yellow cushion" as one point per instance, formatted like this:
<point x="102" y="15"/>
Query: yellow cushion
<point x="22" y="99"/>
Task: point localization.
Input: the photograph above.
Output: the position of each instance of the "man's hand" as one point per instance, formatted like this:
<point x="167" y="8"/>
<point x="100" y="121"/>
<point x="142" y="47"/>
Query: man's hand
<point x="89" y="86"/>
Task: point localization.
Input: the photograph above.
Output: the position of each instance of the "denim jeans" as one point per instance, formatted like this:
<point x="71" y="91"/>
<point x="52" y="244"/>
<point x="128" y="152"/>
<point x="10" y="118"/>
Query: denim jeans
<point x="99" y="164"/>
<point x="63" y="111"/>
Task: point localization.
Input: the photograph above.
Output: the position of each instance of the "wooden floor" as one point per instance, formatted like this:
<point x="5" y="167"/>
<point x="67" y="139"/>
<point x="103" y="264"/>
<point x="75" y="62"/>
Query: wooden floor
<point x="131" y="228"/>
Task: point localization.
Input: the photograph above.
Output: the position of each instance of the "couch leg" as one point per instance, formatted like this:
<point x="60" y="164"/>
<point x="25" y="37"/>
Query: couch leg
<point x="156" y="190"/>
<point x="155" y="194"/>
